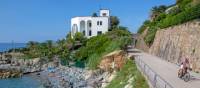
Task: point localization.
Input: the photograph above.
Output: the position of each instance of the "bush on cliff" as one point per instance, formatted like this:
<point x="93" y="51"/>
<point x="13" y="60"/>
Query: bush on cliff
<point x="187" y="15"/>
<point x="187" y="12"/>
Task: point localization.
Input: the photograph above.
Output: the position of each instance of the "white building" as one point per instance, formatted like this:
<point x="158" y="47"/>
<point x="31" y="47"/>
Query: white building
<point x="91" y="26"/>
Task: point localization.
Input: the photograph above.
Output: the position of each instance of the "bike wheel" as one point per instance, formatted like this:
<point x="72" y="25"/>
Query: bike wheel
<point x="186" y="77"/>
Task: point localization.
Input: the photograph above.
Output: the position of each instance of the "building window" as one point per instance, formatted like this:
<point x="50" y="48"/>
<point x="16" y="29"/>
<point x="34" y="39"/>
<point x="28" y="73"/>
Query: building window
<point x="99" y="32"/>
<point x="90" y="32"/>
<point x="101" y="23"/>
<point x="104" y="14"/>
<point x="90" y="24"/>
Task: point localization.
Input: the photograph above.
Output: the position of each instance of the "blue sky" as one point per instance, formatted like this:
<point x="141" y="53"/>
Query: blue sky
<point x="40" y="20"/>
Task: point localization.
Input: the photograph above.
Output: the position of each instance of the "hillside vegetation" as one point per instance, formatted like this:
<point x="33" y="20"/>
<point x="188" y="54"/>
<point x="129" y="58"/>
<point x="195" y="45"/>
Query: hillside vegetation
<point x="129" y="75"/>
<point x="100" y="45"/>
<point x="167" y="16"/>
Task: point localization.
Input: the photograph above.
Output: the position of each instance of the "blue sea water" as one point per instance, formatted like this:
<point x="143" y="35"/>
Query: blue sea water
<point x="24" y="82"/>
<point x="7" y="46"/>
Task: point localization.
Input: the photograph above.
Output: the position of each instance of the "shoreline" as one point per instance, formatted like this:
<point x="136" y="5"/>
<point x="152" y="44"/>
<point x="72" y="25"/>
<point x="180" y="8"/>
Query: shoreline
<point x="63" y="77"/>
<point x="72" y="77"/>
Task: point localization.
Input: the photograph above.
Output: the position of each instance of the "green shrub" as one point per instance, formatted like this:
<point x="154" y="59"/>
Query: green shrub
<point x="93" y="61"/>
<point x="160" y="17"/>
<point x="187" y="15"/>
<point x="183" y="3"/>
<point x="167" y="20"/>
<point x="143" y="27"/>
<point x="80" y="64"/>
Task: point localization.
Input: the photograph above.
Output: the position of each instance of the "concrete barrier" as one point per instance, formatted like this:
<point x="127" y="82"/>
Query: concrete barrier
<point x="154" y="79"/>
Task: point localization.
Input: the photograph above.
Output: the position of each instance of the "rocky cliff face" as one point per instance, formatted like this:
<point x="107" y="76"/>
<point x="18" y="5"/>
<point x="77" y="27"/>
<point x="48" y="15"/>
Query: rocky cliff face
<point x="175" y="42"/>
<point x="113" y="61"/>
<point x="10" y="73"/>
<point x="26" y="65"/>
<point x="140" y="44"/>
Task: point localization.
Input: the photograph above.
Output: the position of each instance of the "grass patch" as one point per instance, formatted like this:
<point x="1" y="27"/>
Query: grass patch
<point x="128" y="71"/>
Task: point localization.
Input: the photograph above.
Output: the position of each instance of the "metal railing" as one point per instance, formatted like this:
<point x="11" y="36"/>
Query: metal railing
<point x="155" y="80"/>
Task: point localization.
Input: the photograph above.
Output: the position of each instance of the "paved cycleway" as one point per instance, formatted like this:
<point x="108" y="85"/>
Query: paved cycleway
<point x="168" y="71"/>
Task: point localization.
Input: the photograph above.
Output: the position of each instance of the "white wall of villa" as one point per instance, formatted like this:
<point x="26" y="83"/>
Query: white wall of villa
<point x="91" y="26"/>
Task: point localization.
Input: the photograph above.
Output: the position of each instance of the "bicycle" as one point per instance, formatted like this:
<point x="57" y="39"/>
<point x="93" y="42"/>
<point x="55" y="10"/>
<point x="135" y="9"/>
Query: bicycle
<point x="184" y="75"/>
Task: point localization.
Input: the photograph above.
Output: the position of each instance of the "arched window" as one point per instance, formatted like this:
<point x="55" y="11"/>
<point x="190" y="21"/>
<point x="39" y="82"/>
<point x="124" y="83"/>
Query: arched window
<point x="90" y="32"/>
<point x="74" y="29"/>
<point x="89" y="28"/>
<point x="90" y="24"/>
<point x="82" y="27"/>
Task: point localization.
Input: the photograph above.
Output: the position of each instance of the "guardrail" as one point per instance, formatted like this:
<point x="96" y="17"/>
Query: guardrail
<point x="155" y="80"/>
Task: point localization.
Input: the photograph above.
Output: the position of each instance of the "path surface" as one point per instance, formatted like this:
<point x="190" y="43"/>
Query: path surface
<point x="166" y="70"/>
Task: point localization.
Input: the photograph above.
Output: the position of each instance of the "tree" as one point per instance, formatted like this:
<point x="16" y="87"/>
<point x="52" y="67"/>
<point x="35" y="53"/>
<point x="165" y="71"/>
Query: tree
<point x="69" y="38"/>
<point x="32" y="44"/>
<point x="114" y="20"/>
<point x="63" y="51"/>
<point x="61" y="43"/>
<point x="144" y="26"/>
<point x="32" y="49"/>
<point x="47" y="49"/>
<point x="80" y="37"/>
<point x="94" y="15"/>
<point x="178" y="1"/>
<point x="49" y="43"/>
<point x="157" y="10"/>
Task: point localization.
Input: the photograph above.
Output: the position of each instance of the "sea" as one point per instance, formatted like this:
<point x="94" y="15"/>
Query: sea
<point x="7" y="46"/>
<point x="25" y="81"/>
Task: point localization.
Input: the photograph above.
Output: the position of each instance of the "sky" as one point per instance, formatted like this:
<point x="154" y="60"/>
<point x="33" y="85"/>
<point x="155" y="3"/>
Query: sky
<point x="39" y="20"/>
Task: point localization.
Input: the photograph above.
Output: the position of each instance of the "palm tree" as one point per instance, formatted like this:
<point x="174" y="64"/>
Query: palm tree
<point x="61" y="45"/>
<point x="114" y="22"/>
<point x="31" y="44"/>
<point x="94" y="15"/>
<point x="49" y="44"/>
<point x="159" y="9"/>
<point x="50" y="48"/>
<point x="62" y="51"/>
<point x="32" y="47"/>
<point x="43" y="49"/>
